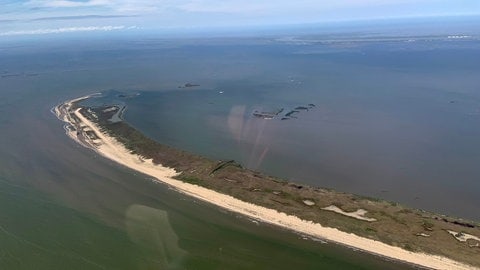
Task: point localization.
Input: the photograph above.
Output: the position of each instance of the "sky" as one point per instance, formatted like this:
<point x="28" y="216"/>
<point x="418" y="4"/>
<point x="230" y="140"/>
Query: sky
<point x="27" y="17"/>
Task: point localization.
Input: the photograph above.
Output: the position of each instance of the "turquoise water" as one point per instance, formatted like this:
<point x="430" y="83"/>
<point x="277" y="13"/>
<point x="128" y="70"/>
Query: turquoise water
<point x="64" y="207"/>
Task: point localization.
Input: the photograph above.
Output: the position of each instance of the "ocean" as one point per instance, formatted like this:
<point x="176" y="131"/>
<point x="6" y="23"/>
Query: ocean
<point x="397" y="122"/>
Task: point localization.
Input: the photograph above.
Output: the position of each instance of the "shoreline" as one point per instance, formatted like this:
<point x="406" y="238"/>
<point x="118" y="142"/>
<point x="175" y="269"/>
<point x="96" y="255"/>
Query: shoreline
<point x="108" y="146"/>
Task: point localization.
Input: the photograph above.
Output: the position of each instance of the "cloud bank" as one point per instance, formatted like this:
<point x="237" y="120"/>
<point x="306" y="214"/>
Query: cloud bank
<point x="122" y="6"/>
<point x="67" y="30"/>
<point x="212" y="13"/>
<point x="82" y="17"/>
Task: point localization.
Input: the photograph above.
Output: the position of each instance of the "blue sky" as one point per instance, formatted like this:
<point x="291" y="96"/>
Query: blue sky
<point x="47" y="16"/>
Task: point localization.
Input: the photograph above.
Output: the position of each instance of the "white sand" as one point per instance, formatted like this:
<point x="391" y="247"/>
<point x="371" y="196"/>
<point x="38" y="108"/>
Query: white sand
<point x="308" y="202"/>
<point x="359" y="214"/>
<point x="112" y="149"/>
<point x="463" y="237"/>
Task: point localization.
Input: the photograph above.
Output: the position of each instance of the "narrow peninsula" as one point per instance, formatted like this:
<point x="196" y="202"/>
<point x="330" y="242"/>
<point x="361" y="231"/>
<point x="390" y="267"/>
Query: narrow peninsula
<point x="379" y="227"/>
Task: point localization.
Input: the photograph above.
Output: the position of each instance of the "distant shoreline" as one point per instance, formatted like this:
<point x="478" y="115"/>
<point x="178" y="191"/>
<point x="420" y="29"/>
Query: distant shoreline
<point x="89" y="134"/>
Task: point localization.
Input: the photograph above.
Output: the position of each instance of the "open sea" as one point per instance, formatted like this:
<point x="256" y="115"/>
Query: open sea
<point x="398" y="120"/>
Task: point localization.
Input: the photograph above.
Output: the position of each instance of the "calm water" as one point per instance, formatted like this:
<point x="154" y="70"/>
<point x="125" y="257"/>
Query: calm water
<point x="64" y="207"/>
<point x="399" y="121"/>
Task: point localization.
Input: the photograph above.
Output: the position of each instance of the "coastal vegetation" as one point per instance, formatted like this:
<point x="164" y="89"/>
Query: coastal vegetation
<point x="286" y="116"/>
<point x="411" y="229"/>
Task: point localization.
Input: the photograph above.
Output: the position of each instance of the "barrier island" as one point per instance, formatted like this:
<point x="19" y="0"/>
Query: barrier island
<point x="376" y="226"/>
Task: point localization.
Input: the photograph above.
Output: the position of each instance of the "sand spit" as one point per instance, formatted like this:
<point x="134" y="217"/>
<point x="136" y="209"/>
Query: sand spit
<point x="110" y="148"/>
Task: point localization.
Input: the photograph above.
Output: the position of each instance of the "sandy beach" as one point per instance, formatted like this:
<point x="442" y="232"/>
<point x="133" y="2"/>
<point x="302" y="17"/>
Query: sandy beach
<point x="110" y="148"/>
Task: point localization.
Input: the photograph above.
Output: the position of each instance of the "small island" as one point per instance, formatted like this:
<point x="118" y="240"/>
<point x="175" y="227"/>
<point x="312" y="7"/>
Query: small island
<point x="379" y="227"/>
<point x="275" y="113"/>
<point x="189" y="85"/>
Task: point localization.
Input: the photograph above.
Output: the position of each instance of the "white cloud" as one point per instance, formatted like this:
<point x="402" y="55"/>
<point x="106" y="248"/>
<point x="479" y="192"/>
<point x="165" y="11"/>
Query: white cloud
<point x="121" y="6"/>
<point x="67" y="3"/>
<point x="66" y="30"/>
<point x="240" y="12"/>
<point x="246" y="6"/>
<point x="226" y="6"/>
<point x="140" y="6"/>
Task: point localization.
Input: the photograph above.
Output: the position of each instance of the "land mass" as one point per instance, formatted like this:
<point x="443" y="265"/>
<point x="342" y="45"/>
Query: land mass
<point x="380" y="227"/>
<point x="189" y="85"/>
